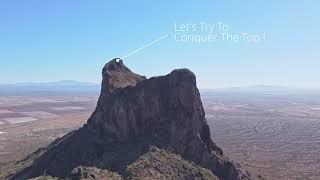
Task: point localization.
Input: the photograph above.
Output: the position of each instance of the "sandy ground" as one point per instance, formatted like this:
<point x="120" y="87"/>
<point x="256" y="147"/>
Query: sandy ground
<point x="28" y="123"/>
<point x="18" y="140"/>
<point x="277" y="138"/>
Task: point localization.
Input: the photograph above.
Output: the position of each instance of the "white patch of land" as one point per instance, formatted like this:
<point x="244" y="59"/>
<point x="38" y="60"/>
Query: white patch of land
<point x="39" y="114"/>
<point x="21" y="100"/>
<point x="19" y="120"/>
<point x="65" y="108"/>
<point x="44" y="100"/>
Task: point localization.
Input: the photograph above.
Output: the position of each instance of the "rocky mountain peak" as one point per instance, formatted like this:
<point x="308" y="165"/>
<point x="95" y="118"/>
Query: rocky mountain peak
<point x="116" y="75"/>
<point x="115" y="64"/>
<point x="132" y="114"/>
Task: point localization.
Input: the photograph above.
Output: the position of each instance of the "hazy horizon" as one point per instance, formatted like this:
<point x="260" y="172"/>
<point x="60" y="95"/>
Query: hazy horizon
<point x="76" y="82"/>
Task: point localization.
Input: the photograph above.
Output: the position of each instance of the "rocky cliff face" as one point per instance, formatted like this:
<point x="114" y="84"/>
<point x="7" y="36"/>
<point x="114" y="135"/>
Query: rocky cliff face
<point x="132" y="114"/>
<point x="167" y="107"/>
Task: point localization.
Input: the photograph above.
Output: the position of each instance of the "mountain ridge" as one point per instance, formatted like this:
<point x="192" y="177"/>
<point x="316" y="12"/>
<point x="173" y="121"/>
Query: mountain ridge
<point x="135" y="113"/>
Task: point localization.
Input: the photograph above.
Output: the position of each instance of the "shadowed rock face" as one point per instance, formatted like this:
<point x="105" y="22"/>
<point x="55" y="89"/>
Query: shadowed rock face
<point x="167" y="107"/>
<point x="133" y="113"/>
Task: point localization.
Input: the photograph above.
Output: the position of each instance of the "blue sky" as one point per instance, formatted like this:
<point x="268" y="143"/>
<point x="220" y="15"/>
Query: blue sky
<point x="42" y="40"/>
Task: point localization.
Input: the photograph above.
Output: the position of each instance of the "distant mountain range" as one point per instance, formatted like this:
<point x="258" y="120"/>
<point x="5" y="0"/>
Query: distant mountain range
<point x="56" y="83"/>
<point x="266" y="89"/>
<point x="90" y="87"/>
<point x="49" y="87"/>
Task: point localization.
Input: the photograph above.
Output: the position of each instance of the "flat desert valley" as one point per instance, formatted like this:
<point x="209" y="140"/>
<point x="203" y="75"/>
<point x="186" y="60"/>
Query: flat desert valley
<point x="276" y="136"/>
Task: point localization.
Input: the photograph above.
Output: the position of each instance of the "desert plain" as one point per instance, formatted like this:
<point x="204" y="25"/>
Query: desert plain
<point x="274" y="135"/>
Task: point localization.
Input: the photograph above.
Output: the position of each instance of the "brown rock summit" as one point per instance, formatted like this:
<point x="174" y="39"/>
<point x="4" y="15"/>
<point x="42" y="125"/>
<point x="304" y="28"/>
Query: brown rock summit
<point x="117" y="75"/>
<point x="132" y="114"/>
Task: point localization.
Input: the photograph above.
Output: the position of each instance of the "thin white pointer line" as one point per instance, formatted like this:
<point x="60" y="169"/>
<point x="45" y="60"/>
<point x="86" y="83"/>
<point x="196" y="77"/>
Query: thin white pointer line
<point x="145" y="46"/>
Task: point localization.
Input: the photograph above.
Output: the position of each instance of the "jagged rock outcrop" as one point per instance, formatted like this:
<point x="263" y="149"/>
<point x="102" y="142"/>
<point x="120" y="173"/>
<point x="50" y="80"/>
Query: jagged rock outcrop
<point x="133" y="113"/>
<point x="116" y="75"/>
<point x="90" y="173"/>
<point x="160" y="164"/>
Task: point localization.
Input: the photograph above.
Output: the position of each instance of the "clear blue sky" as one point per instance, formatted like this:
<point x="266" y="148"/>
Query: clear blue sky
<point x="42" y="40"/>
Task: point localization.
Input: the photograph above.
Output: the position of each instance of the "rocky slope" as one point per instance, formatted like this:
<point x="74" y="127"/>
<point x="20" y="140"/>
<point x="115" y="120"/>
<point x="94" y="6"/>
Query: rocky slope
<point x="161" y="164"/>
<point x="133" y="114"/>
